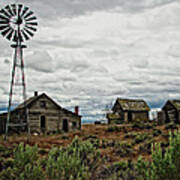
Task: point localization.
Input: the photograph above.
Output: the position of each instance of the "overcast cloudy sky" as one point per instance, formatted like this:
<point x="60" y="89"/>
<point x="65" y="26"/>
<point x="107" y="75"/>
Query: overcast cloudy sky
<point x="89" y="52"/>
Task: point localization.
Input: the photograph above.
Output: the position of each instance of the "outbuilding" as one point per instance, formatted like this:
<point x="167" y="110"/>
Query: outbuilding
<point x="170" y="112"/>
<point x="128" y="110"/>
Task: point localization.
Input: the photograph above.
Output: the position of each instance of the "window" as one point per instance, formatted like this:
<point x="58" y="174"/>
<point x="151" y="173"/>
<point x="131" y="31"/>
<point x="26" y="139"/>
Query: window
<point x="42" y="104"/>
<point x="74" y="124"/>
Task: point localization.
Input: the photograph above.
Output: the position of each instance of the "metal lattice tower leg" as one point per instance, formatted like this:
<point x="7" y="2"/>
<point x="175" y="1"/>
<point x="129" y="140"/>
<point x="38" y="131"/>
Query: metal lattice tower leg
<point x="18" y="55"/>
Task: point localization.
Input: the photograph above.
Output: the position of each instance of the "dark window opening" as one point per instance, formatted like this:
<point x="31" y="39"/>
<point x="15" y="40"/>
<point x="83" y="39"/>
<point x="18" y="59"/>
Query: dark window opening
<point x="176" y="117"/>
<point x="43" y="123"/>
<point x="74" y="124"/>
<point x="42" y="104"/>
<point x="167" y="117"/>
<point x="65" y="125"/>
<point x="129" y="116"/>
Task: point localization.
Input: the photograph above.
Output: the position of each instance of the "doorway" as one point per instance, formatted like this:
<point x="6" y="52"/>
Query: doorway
<point x="43" y="123"/>
<point x="167" y="118"/>
<point x="65" y="125"/>
<point x="129" y="116"/>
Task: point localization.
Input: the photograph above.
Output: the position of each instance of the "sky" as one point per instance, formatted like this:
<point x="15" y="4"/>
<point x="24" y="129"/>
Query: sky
<point x="89" y="52"/>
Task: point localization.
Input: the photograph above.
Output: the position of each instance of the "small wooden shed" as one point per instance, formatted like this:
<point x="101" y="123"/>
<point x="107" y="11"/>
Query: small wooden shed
<point x="171" y="112"/>
<point x="128" y="110"/>
<point x="44" y="116"/>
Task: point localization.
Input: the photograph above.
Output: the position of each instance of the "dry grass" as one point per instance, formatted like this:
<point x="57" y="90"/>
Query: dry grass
<point x="93" y="132"/>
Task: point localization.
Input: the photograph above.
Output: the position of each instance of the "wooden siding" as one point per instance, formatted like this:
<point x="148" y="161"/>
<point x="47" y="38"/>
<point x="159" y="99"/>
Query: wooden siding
<point x="171" y="113"/>
<point x="142" y="116"/>
<point x="54" y="116"/>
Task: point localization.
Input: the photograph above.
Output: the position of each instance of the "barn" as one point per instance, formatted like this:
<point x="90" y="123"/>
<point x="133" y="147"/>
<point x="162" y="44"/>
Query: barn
<point x="170" y="112"/>
<point x="44" y="116"/>
<point x="128" y="110"/>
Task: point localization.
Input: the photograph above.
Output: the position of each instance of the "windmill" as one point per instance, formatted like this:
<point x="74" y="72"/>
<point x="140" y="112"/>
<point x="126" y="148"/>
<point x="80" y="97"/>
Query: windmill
<point x="17" y="24"/>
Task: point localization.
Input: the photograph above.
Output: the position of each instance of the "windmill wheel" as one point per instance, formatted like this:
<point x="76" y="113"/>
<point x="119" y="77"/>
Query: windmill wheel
<point x="17" y="23"/>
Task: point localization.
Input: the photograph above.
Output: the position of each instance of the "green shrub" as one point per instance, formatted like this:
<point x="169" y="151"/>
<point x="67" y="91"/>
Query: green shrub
<point x="156" y="132"/>
<point x="131" y="135"/>
<point x="74" y="162"/>
<point x="8" y="163"/>
<point x="146" y="146"/>
<point x="43" y="151"/>
<point x="164" y="165"/>
<point x="24" y="166"/>
<point x="116" y="129"/>
<point x="171" y="125"/>
<point x="2" y="148"/>
<point x="138" y="124"/>
<point x="124" y="149"/>
<point x="65" y="137"/>
<point x="141" y="138"/>
<point x="122" y="170"/>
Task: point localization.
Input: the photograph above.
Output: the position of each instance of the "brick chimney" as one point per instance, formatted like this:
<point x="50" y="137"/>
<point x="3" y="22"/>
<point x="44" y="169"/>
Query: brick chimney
<point x="35" y="93"/>
<point x="76" y="110"/>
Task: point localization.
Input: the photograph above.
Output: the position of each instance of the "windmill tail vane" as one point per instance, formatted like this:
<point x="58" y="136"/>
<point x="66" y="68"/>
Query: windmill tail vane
<point x="17" y="24"/>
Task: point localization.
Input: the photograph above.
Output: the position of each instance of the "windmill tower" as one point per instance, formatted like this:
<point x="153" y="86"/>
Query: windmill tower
<point x="17" y="24"/>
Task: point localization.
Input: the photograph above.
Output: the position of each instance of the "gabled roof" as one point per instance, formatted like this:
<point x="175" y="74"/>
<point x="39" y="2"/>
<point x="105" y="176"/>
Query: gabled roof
<point x="132" y="104"/>
<point x="33" y="99"/>
<point x="175" y="103"/>
<point x="28" y="102"/>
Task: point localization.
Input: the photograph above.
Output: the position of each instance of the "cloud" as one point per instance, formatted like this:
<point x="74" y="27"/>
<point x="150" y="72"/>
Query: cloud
<point x="88" y="53"/>
<point x="40" y="61"/>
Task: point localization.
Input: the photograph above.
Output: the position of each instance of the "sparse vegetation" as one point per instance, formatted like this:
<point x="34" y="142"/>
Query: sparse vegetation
<point x="116" y="128"/>
<point x="139" y="138"/>
<point x="124" y="149"/>
<point x="171" y="125"/>
<point x="95" y="154"/>
<point x="165" y="164"/>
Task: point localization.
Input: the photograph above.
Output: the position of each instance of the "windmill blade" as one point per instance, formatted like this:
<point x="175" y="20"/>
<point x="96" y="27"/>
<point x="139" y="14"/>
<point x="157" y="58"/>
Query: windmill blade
<point x="4" y="22"/>
<point x="12" y="17"/>
<point x="19" y="9"/>
<point x="4" y="27"/>
<point x="29" y="32"/>
<point x="32" y="28"/>
<point x="25" y="35"/>
<point x="32" y="23"/>
<point x="31" y="18"/>
<point x="4" y="18"/>
<point x="28" y="14"/>
<point x="24" y="11"/>
<point x="6" y="31"/>
<point x="10" y="34"/>
<point x="2" y="11"/>
<point x="9" y="10"/>
<point x="14" y="8"/>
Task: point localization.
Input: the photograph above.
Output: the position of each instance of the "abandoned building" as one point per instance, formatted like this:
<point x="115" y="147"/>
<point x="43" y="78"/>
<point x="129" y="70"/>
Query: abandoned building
<point x="128" y="110"/>
<point x="44" y="116"/>
<point x="170" y="112"/>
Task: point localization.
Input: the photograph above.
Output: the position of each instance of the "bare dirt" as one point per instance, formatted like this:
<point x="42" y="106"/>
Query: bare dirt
<point x="107" y="139"/>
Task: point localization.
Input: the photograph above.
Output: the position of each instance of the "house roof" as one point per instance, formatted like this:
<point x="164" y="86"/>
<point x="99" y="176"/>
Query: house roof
<point x="28" y="102"/>
<point x="175" y="103"/>
<point x="133" y="104"/>
<point x="33" y="99"/>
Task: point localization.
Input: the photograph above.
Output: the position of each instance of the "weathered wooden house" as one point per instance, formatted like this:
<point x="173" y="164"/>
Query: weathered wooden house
<point x="128" y="110"/>
<point x="44" y="116"/>
<point x="170" y="112"/>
